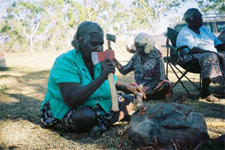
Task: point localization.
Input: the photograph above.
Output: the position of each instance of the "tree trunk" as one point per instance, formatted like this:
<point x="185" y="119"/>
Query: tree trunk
<point x="2" y="46"/>
<point x="31" y="45"/>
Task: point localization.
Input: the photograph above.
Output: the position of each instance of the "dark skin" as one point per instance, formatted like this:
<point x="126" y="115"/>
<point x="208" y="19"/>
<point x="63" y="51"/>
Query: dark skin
<point x="150" y="94"/>
<point x="74" y="94"/>
<point x="195" y="25"/>
<point x="140" y="49"/>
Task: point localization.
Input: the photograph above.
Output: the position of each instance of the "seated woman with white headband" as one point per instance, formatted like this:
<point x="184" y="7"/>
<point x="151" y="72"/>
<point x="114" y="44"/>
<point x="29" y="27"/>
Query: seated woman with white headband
<point x="148" y="66"/>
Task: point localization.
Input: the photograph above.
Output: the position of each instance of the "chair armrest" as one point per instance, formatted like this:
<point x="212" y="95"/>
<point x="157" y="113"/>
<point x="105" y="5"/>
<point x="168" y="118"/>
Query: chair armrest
<point x="170" y="46"/>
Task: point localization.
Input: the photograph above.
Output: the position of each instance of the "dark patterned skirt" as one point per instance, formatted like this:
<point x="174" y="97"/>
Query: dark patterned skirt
<point x="211" y="66"/>
<point x="66" y="124"/>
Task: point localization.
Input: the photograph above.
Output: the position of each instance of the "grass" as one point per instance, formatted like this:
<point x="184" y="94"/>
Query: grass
<point x="22" y="89"/>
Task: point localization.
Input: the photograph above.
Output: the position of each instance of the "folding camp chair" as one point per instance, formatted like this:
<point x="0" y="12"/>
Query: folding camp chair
<point x="172" y="61"/>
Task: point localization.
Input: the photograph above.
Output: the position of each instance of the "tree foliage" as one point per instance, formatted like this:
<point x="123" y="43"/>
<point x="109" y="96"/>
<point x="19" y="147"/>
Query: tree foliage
<point x="49" y="25"/>
<point x="216" y="6"/>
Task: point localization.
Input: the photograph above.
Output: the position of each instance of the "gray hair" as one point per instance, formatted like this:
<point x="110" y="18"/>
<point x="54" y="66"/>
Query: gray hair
<point x="189" y="14"/>
<point x="144" y="38"/>
<point x="83" y="32"/>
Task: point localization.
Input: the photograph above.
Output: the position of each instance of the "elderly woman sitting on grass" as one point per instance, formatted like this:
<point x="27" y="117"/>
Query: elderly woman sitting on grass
<point x="148" y="66"/>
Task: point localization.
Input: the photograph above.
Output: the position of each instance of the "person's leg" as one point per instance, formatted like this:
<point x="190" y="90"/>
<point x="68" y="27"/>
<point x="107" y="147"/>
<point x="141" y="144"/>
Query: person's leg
<point x="84" y="119"/>
<point x="160" y="92"/>
<point x="205" y="87"/>
<point x="205" y="94"/>
<point x="105" y="121"/>
<point x="210" y="73"/>
<point x="164" y="89"/>
<point x="74" y="120"/>
<point x="126" y="107"/>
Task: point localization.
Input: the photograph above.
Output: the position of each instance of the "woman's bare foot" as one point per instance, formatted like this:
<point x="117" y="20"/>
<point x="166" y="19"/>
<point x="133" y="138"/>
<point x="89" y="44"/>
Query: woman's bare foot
<point x="211" y="98"/>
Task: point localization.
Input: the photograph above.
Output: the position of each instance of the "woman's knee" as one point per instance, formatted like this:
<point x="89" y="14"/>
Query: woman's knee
<point x="210" y="57"/>
<point x="161" y="92"/>
<point x="166" y="86"/>
<point x="163" y="88"/>
<point x="84" y="119"/>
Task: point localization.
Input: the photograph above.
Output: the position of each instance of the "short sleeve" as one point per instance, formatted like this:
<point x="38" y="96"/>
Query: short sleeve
<point x="216" y="40"/>
<point x="212" y="36"/>
<point x="185" y="39"/>
<point x="64" y="70"/>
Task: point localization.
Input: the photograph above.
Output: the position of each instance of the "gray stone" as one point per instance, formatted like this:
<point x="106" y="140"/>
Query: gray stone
<point x="167" y="121"/>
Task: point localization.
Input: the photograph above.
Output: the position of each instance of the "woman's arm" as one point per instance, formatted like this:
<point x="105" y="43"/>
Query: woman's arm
<point x="122" y="69"/>
<point x="129" y="88"/>
<point x="196" y="50"/>
<point x="74" y="95"/>
<point x="119" y="66"/>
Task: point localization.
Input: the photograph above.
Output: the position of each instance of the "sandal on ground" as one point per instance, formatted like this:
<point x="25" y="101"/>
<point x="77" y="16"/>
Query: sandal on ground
<point x="211" y="98"/>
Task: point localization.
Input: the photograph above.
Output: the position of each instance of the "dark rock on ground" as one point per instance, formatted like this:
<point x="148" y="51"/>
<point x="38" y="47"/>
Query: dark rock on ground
<point x="167" y="121"/>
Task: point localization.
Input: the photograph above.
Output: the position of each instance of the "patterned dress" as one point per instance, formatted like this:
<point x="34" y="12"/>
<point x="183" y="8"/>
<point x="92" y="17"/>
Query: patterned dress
<point x="66" y="124"/>
<point x="150" y="74"/>
<point x="211" y="66"/>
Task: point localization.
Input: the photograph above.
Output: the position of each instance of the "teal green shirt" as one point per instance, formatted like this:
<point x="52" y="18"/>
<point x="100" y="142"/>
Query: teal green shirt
<point x="70" y="67"/>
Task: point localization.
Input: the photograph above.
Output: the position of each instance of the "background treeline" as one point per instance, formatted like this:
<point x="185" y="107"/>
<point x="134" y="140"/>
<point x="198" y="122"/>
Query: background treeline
<point x="49" y="25"/>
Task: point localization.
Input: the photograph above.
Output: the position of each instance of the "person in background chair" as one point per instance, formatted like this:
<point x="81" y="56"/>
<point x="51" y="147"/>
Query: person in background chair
<point x="148" y="66"/>
<point x="197" y="42"/>
<point x="221" y="37"/>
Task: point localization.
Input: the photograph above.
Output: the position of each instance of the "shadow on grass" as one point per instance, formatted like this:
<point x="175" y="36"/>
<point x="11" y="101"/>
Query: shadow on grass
<point x="211" y="110"/>
<point x="195" y="91"/>
<point x="35" y="79"/>
<point x="110" y="139"/>
<point x="6" y="69"/>
<point x="16" y="106"/>
<point x="26" y="108"/>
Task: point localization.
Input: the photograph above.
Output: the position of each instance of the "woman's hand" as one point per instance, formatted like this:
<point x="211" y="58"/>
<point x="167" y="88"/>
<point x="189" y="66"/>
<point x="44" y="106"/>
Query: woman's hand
<point x="134" y="88"/>
<point x="107" y="66"/>
<point x="141" y="90"/>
